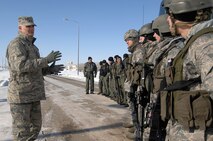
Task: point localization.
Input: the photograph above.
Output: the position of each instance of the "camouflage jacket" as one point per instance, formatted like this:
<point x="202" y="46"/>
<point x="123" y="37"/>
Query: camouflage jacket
<point x="163" y="60"/>
<point x="119" y="70"/>
<point x="159" y="49"/>
<point x="104" y="70"/>
<point x="199" y="59"/>
<point x="138" y="56"/>
<point x="25" y="67"/>
<point x="90" y="69"/>
<point x="111" y="73"/>
<point x="150" y="47"/>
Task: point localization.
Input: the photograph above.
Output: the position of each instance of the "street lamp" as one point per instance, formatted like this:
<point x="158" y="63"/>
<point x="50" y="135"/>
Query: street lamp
<point x="66" y="19"/>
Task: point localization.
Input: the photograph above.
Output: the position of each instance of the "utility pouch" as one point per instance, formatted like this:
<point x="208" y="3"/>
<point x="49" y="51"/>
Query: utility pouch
<point x="182" y="108"/>
<point x="202" y="111"/>
<point x="165" y="104"/>
<point x="193" y="109"/>
<point x="157" y="83"/>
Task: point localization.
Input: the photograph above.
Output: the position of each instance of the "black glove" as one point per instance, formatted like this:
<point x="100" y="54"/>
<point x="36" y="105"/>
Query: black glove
<point x="53" y="56"/>
<point x="55" y="69"/>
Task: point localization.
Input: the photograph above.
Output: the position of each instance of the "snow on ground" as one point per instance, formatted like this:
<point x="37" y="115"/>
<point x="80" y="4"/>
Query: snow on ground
<point x="73" y="74"/>
<point x="5" y="118"/>
<point x="4" y="76"/>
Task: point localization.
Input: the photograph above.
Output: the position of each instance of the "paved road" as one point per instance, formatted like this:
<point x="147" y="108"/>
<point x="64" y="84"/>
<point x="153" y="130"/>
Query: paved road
<point x="71" y="115"/>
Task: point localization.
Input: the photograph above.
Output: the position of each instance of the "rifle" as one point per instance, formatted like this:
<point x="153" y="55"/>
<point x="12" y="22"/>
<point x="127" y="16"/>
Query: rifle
<point x="151" y="107"/>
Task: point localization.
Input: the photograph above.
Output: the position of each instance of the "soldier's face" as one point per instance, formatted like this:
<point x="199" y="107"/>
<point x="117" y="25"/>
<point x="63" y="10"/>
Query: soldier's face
<point x="130" y="43"/>
<point x="141" y="39"/>
<point x="27" y="30"/>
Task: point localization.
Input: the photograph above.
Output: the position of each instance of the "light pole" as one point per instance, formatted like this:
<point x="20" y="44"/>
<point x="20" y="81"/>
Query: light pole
<point x="66" y="19"/>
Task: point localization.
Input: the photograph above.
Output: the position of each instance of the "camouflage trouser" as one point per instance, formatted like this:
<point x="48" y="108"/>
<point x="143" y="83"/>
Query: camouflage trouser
<point x="100" y="84"/>
<point x="122" y="90"/>
<point x="27" y="121"/>
<point x="176" y="132"/>
<point x="134" y="110"/>
<point x="90" y="82"/>
<point x="112" y="89"/>
<point x="106" y="85"/>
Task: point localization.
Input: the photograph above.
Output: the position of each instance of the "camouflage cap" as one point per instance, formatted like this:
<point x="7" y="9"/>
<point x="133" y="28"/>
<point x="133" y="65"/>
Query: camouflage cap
<point x="27" y="21"/>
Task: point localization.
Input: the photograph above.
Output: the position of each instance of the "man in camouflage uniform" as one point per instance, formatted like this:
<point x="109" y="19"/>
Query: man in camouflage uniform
<point x="126" y="62"/>
<point x="90" y="71"/>
<point x="111" y="75"/>
<point x="100" y="82"/>
<point x="131" y="37"/>
<point x="119" y="79"/>
<point x="193" y="66"/>
<point x="167" y="49"/>
<point x="104" y="71"/>
<point x="147" y="40"/>
<point x="26" y="87"/>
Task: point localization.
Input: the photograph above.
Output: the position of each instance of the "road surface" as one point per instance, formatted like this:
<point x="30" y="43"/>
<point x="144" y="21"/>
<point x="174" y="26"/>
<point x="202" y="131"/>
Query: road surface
<point x="71" y="115"/>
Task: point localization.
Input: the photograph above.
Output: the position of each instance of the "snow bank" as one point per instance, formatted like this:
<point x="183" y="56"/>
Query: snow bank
<point x="74" y="75"/>
<point x="4" y="78"/>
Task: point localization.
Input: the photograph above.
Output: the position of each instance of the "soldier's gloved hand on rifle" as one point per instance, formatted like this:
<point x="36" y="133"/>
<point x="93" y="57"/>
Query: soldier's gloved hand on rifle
<point x="53" y="56"/>
<point x="55" y="69"/>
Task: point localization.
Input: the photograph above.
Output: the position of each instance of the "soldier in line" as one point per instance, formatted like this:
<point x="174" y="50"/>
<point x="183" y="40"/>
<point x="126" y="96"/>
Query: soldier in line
<point x="26" y="87"/>
<point x="100" y="82"/>
<point x="190" y="103"/>
<point x="167" y="49"/>
<point x="148" y="41"/>
<point x="126" y="62"/>
<point x="131" y="37"/>
<point x="111" y="74"/>
<point x="90" y="71"/>
<point x="104" y="71"/>
<point x="119" y="79"/>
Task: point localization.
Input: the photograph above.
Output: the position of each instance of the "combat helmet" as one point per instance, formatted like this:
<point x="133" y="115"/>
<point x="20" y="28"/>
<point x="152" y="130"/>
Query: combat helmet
<point x="185" y="6"/>
<point x="161" y="24"/>
<point x="131" y="34"/>
<point x="146" y="29"/>
<point x="166" y="3"/>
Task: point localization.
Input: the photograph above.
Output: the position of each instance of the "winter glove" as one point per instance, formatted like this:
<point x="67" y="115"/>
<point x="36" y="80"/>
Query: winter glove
<point x="55" y="69"/>
<point x="53" y="56"/>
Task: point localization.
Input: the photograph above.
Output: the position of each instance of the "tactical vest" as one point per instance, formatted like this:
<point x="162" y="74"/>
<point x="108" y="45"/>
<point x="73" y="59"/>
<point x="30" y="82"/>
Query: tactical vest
<point x="159" y="78"/>
<point x="192" y="109"/>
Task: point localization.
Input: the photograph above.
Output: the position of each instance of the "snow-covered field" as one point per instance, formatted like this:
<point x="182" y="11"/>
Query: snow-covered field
<point x="73" y="74"/>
